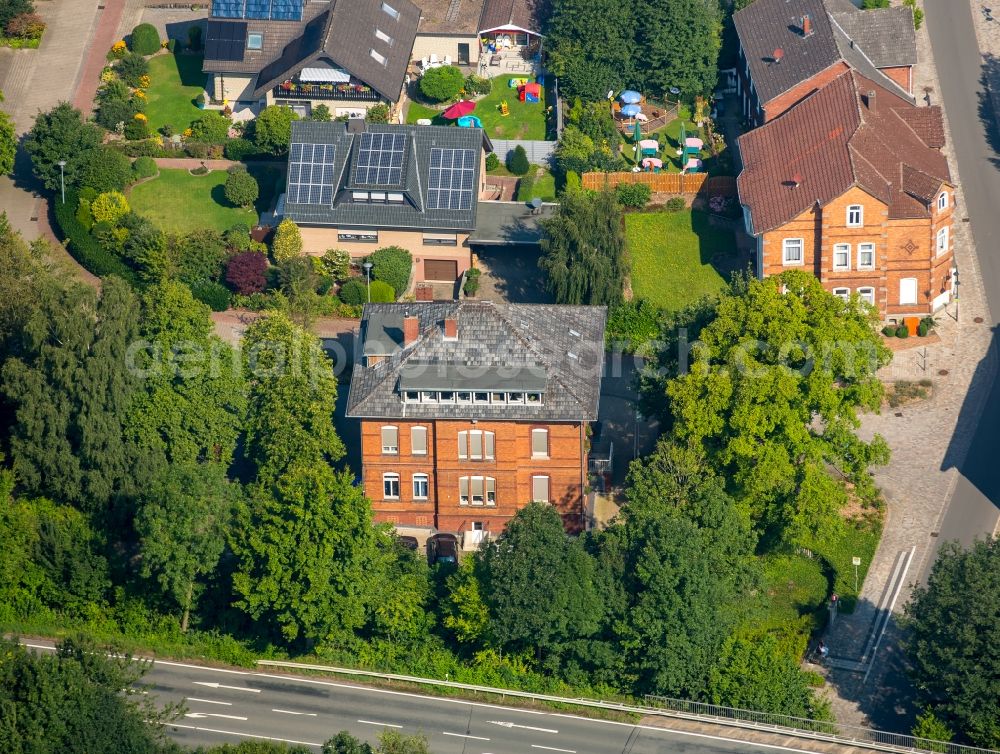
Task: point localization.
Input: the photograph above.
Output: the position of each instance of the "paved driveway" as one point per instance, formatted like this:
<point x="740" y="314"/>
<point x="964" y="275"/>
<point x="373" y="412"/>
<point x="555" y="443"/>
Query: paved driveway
<point x="510" y="273"/>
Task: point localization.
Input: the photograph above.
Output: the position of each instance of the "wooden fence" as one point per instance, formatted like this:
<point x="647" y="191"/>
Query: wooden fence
<point x="665" y="183"/>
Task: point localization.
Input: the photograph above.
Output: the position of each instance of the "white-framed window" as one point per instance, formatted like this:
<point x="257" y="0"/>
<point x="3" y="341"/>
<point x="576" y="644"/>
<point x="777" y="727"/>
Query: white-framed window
<point x="418" y="441"/>
<point x="942" y="202"/>
<point x="379" y="34"/>
<point x="377" y="56"/>
<point x="477" y="490"/>
<point x="867" y="295"/>
<point x="390" y="486"/>
<point x="841" y="256"/>
<point x="844" y="293"/>
<point x="855" y="216"/>
<point x="420" y="486"/>
<point x="463" y="397"/>
<point x="866" y="256"/>
<point x="540" y="489"/>
<point x="539" y="443"/>
<point x="390" y="439"/>
<point x="390" y="11"/>
<point x="908" y="291"/>
<point x="255" y="41"/>
<point x="942" y="240"/>
<point x="791" y="251"/>
<point x="475" y="445"/>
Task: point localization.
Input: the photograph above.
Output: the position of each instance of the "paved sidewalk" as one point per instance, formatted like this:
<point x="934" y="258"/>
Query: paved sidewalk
<point x="928" y="440"/>
<point x="105" y="35"/>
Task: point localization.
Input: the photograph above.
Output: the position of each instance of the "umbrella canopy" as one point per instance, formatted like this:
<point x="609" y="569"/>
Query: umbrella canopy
<point x="459" y="109"/>
<point x="630" y="97"/>
<point x="649" y="144"/>
<point x="630" y="111"/>
<point x="637" y="132"/>
<point x="692" y="142"/>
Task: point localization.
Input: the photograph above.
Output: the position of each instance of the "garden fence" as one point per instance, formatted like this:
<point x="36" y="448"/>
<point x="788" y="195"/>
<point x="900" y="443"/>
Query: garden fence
<point x="539" y="152"/>
<point x="665" y="183"/>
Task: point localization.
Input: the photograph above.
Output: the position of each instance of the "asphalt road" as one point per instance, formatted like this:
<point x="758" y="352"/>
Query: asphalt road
<point x="227" y="705"/>
<point x="975" y="503"/>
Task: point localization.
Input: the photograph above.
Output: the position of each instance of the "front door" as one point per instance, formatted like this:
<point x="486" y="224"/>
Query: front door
<point x="463" y="53"/>
<point x="475" y="534"/>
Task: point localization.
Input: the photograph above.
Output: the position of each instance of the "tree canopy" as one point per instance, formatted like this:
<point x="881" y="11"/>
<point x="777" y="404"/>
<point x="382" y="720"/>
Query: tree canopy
<point x="60" y="134"/>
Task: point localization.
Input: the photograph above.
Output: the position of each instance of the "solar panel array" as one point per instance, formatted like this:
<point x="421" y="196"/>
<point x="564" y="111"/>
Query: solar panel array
<point x="310" y="174"/>
<point x="225" y="40"/>
<point x="380" y="159"/>
<point x="271" y="10"/>
<point x="452" y="178"/>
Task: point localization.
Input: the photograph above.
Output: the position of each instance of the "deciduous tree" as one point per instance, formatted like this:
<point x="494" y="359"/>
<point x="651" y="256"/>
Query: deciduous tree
<point x="677" y="45"/>
<point x="287" y="242"/>
<point x="60" y="134"/>
<point x="241" y="188"/>
<point x="272" y="129"/>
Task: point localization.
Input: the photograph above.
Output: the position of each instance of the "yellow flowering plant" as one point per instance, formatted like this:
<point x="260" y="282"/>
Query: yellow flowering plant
<point x="140" y="116"/>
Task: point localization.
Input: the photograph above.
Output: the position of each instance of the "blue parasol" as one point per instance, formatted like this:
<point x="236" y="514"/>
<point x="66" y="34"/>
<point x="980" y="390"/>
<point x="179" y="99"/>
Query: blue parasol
<point x="630" y="97"/>
<point x="630" y="111"/>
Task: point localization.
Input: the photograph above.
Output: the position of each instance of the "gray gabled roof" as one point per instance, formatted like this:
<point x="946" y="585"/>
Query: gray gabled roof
<point x="887" y="35"/>
<point x="344" y="34"/>
<point x="414" y="213"/>
<point x="554" y="350"/>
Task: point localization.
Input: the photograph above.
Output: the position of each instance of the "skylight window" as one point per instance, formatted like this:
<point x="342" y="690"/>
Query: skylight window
<point x="390" y="11"/>
<point x="377" y="56"/>
<point x="379" y="34"/>
<point x="255" y="41"/>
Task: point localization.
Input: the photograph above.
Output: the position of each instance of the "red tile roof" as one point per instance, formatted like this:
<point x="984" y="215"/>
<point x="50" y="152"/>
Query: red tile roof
<point x="837" y="138"/>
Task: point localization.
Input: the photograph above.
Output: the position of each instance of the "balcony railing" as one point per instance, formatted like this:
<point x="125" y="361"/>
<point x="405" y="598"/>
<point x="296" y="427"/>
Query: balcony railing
<point x="297" y="90"/>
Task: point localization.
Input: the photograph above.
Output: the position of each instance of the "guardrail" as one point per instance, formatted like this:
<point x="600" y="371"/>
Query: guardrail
<point x="817" y="730"/>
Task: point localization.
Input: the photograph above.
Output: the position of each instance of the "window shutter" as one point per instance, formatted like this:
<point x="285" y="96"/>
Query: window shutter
<point x="390" y="439"/>
<point x="488" y="440"/>
<point x="476" y="445"/>
<point x="418" y="441"/>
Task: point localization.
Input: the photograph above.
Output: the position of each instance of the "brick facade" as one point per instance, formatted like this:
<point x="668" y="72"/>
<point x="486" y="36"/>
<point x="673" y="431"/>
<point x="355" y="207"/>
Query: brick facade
<point x="513" y="468"/>
<point x="905" y="248"/>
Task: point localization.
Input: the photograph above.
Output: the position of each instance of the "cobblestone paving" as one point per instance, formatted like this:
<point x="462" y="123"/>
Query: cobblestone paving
<point x="927" y="439"/>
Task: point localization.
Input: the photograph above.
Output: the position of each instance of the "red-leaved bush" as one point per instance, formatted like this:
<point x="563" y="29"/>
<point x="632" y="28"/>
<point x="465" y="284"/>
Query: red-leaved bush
<point x="245" y="272"/>
<point x="26" y="26"/>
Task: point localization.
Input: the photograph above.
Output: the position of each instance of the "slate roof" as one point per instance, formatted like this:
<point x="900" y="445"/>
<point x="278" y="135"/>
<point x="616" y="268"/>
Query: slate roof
<point x="556" y="350"/>
<point x="840" y="32"/>
<point x="842" y="139"/>
<point x="504" y="14"/>
<point x="414" y="213"/>
<point x="343" y="33"/>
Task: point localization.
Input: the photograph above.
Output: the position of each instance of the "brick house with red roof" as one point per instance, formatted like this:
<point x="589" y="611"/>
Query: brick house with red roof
<point x="852" y="185"/>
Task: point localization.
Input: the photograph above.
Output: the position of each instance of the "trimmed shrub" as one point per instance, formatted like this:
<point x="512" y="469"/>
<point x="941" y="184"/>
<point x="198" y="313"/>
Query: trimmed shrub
<point x="196" y="149"/>
<point x="392" y="265"/>
<point x="111" y="112"/>
<point x="634" y="195"/>
<point x="675" y="204"/>
<point x="478" y="84"/>
<point x="144" y="167"/>
<point x="337" y="264"/>
<point x="109" y="207"/>
<point x="378" y="113"/>
<point x="287" y="243"/>
<point x="238" y="238"/>
<point x="132" y="68"/>
<point x="471" y="285"/>
<point x="382" y="293"/>
<point x="211" y="128"/>
<point x="573" y="182"/>
<point x="492" y="161"/>
<point x="137" y="129"/>
<point x="246" y="272"/>
<point x="903" y="332"/>
<point x="105" y="169"/>
<point x="442" y="83"/>
<point x="145" y="39"/>
<point x="239" y="149"/>
<point x="241" y="188"/>
<point x="923" y="329"/>
<point x="214" y="295"/>
<point x="83" y="215"/>
<point x="889" y="331"/>
<point x="517" y="161"/>
<point x="354" y="292"/>
<point x="84" y="247"/>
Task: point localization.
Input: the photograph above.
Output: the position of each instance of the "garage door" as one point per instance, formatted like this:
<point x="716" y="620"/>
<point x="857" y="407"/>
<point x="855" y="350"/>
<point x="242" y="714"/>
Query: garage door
<point x="441" y="269"/>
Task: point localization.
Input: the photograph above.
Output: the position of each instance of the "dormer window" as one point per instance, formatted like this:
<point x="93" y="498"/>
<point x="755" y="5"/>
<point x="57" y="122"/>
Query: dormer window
<point x="534" y="398"/>
<point x="463" y="397"/>
<point x="394" y="198"/>
<point x="481" y="397"/>
<point x="446" y="397"/>
<point x="498" y="398"/>
<point x="428" y="396"/>
<point x="515" y="398"/>
<point x="855" y="216"/>
<point x="411" y="396"/>
<point x="942" y="202"/>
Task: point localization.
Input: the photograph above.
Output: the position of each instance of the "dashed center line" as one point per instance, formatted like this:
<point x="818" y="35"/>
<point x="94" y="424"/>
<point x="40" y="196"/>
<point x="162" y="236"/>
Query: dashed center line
<point x="208" y="701"/>
<point x="384" y="725"/>
<point x="291" y="712"/>
<point x="553" y="748"/>
<point x="464" y="735"/>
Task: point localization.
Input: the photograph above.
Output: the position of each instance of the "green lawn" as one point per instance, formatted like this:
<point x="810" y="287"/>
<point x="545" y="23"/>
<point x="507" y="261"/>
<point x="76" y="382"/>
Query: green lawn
<point x="677" y="257"/>
<point x="179" y="202"/>
<point x="176" y="80"/>
<point x="540" y="182"/>
<point x="525" y="121"/>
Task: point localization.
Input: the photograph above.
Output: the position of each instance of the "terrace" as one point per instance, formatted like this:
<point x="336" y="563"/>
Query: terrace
<point x="345" y="90"/>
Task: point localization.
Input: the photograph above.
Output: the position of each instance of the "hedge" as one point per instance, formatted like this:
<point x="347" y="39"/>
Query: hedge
<point x="84" y="247"/>
<point x="215" y="295"/>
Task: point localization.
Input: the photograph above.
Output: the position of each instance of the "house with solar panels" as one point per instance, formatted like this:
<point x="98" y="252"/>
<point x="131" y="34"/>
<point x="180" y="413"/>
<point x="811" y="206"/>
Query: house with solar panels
<point x="361" y="186"/>
<point x="346" y="54"/>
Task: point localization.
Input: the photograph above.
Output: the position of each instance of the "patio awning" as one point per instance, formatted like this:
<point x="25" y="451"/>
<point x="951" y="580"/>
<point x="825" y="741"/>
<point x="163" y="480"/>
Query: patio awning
<point x="325" y="75"/>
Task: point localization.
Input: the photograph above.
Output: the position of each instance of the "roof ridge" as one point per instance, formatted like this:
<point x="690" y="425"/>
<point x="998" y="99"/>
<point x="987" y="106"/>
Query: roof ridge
<point x="857" y="47"/>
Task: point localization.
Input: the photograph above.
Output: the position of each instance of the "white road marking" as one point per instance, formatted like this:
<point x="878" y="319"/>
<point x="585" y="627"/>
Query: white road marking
<point x="214" y="685"/>
<point x="384" y="725"/>
<point x="207" y="701"/>
<point x="525" y="727"/>
<point x="198" y="667"/>
<point x="242" y="735"/>
<point x="463" y="735"/>
<point x="553" y="748"/>
<point x="290" y="712"/>
<point x="199" y="715"/>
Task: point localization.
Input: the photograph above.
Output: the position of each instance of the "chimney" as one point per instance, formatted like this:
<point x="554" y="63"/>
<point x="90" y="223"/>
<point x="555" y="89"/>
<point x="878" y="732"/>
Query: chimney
<point x="451" y="329"/>
<point x="807" y="26"/>
<point x="777" y="55"/>
<point x="411" y="330"/>
<point x="871" y="100"/>
<point x="796" y="181"/>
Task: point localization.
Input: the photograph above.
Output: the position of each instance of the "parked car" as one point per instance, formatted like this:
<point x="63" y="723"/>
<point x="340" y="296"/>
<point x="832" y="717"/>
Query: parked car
<point x="443" y="548"/>
<point x="410" y="543"/>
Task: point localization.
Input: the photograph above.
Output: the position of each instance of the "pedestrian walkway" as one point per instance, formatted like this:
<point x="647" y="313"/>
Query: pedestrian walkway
<point x="105" y="35"/>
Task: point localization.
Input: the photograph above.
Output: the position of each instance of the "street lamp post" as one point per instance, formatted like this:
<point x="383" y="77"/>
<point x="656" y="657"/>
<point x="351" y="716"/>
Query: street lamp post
<point x="368" y="277"/>
<point x="62" y="179"/>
